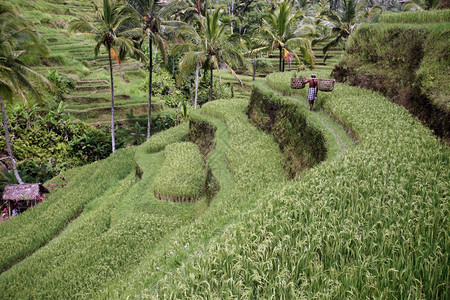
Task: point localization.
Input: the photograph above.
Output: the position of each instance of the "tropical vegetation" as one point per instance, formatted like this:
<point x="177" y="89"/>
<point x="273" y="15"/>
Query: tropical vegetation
<point x="251" y="195"/>
<point x="16" y="40"/>
<point x="114" y="29"/>
<point x="182" y="175"/>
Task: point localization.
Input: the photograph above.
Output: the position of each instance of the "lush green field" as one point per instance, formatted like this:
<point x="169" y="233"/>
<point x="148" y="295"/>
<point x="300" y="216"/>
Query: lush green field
<point x="370" y="222"/>
<point x="367" y="218"/>
<point x="418" y="17"/>
<point x="182" y="175"/>
<point x="406" y="58"/>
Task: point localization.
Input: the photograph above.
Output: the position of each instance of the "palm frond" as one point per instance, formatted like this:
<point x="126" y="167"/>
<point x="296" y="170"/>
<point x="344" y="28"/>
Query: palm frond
<point x="83" y="26"/>
<point x="188" y="63"/>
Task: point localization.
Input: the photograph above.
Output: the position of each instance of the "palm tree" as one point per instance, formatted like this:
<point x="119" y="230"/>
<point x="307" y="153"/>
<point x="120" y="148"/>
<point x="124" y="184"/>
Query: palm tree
<point x="210" y="47"/>
<point x="284" y="32"/>
<point x="344" y="21"/>
<point x="193" y="50"/>
<point x="152" y="14"/>
<point x="114" y="28"/>
<point x="16" y="39"/>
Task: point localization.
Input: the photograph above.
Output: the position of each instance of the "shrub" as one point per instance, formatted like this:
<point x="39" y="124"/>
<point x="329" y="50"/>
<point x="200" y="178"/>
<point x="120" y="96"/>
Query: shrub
<point x="52" y="141"/>
<point x="263" y="65"/>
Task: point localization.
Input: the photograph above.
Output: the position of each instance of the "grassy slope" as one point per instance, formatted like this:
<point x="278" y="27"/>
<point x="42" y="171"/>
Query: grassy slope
<point x="369" y="222"/>
<point x="348" y="226"/>
<point x="406" y="57"/>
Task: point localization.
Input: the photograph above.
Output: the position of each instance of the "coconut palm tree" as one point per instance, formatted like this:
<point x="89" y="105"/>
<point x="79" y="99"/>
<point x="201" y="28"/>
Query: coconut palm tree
<point x="345" y="19"/>
<point x="114" y="28"/>
<point x="284" y="32"/>
<point x="17" y="39"/>
<point x="193" y="55"/>
<point x="209" y="47"/>
<point x="154" y="23"/>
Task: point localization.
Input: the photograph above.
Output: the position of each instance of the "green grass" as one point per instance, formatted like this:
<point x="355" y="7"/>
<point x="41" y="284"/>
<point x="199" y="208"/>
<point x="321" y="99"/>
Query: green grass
<point x="337" y="139"/>
<point x="370" y="223"/>
<point x="45" y="221"/>
<point x="407" y="63"/>
<point x="240" y="148"/>
<point x="420" y="17"/>
<point x="182" y="175"/>
<point x="112" y="233"/>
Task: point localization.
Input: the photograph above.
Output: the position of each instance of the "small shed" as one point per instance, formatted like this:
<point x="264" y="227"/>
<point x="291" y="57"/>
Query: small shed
<point x="23" y="195"/>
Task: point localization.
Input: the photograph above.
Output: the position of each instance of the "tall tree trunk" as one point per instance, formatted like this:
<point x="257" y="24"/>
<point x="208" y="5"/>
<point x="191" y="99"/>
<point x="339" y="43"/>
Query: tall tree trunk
<point x="231" y="15"/>
<point x="150" y="80"/>
<point x="111" y="73"/>
<point x="281" y="57"/>
<point x="283" y="64"/>
<point x="254" y="67"/>
<point x="196" y="84"/>
<point x="199" y="7"/>
<point x="8" y="142"/>
<point x="210" y="84"/>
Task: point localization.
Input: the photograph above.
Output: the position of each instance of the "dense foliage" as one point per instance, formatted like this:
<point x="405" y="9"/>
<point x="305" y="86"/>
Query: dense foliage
<point x="46" y="143"/>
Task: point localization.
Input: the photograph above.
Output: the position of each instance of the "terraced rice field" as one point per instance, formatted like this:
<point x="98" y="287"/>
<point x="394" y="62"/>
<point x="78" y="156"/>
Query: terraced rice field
<point x="72" y="55"/>
<point x="369" y="221"/>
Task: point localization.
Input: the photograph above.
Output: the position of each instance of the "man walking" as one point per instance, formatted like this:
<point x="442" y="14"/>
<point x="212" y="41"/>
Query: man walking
<point x="312" y="91"/>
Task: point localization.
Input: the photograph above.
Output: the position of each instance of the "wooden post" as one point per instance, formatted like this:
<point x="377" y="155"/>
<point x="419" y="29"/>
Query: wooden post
<point x="9" y="208"/>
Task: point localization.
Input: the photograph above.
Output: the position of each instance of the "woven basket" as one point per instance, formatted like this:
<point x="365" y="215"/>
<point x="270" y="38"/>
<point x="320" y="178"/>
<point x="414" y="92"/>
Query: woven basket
<point x="326" y="85"/>
<point x="297" y="83"/>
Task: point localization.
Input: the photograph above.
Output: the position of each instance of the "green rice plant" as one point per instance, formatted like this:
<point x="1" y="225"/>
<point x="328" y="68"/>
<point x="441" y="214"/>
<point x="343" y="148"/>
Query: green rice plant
<point x="384" y="58"/>
<point x="112" y="233"/>
<point x="302" y="144"/>
<point x="182" y="175"/>
<point x="43" y="222"/>
<point x="420" y="17"/>
<point x="160" y="140"/>
<point x="240" y="150"/>
<point x="369" y="224"/>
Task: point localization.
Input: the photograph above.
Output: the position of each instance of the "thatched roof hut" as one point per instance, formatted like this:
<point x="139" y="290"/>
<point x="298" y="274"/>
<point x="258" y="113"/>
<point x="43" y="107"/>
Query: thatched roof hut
<point x="23" y="192"/>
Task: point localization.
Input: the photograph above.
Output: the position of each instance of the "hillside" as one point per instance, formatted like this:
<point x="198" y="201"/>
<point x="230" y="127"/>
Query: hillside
<point x="406" y="57"/>
<point x="372" y="213"/>
<point x="72" y="58"/>
<point x="254" y="197"/>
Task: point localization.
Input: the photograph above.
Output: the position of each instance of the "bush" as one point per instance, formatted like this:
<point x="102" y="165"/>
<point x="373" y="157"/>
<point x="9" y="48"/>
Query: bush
<point x="263" y="65"/>
<point x="49" y="142"/>
<point x="63" y="83"/>
<point x="220" y="90"/>
<point x="162" y="83"/>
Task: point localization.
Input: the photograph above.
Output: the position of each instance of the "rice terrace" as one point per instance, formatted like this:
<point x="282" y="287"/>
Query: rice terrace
<point x="225" y="149"/>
